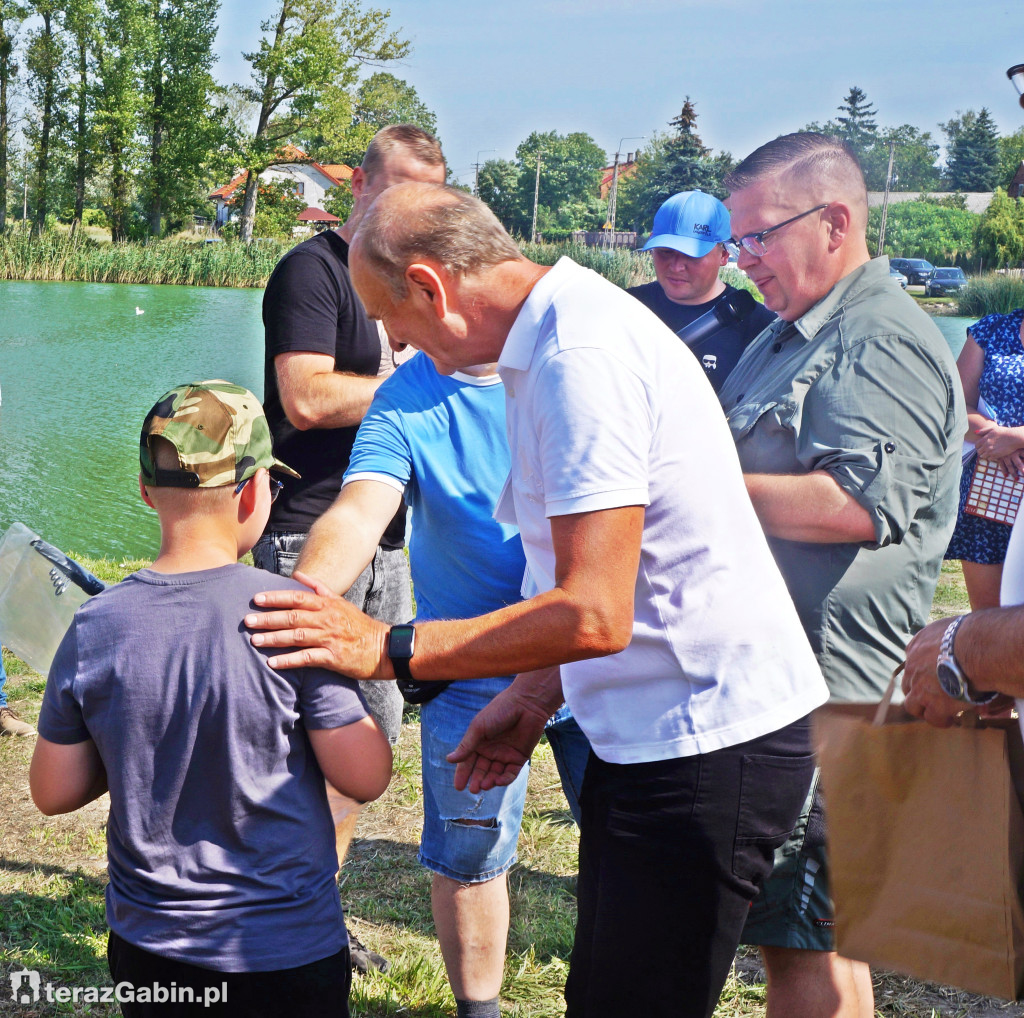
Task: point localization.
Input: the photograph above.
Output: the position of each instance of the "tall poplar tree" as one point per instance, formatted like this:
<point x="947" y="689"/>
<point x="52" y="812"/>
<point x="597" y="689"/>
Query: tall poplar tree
<point x="180" y="123"/>
<point x="80" y="18"/>
<point x="11" y="16"/>
<point x="120" y="58"/>
<point x="302" y="73"/>
<point x="45" y="58"/>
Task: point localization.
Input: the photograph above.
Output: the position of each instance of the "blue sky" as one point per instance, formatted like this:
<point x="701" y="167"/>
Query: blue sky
<point x="494" y="72"/>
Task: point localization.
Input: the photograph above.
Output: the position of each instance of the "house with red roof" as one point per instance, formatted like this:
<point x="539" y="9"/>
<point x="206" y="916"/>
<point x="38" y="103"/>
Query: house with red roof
<point x="307" y="178"/>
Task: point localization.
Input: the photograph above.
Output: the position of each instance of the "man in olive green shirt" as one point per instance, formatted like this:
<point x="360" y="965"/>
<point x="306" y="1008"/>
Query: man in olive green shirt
<point x="848" y="418"/>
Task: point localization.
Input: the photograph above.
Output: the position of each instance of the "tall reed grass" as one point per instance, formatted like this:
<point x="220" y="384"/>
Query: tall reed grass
<point x="623" y="267"/>
<point x="991" y="294"/>
<point x="57" y="255"/>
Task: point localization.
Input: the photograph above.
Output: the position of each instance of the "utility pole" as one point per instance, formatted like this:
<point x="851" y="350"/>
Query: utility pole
<point x="536" y="196"/>
<point x="613" y="195"/>
<point x="885" y="198"/>
<point x="476" y="167"/>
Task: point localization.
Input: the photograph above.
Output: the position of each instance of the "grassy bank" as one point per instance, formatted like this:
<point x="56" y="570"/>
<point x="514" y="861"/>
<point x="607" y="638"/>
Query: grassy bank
<point x="991" y="294"/>
<point x="58" y="255"/>
<point x="52" y="881"/>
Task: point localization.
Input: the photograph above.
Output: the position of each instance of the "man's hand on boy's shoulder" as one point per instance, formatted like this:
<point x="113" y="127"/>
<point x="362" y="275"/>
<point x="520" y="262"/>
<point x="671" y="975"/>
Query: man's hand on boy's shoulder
<point x="329" y="631"/>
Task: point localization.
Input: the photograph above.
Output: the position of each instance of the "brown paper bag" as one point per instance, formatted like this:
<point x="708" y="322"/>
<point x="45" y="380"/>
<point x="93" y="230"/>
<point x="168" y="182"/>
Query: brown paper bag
<point x="926" y="846"/>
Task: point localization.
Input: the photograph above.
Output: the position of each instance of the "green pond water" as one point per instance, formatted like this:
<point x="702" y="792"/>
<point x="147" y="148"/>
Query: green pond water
<point x="79" y="369"/>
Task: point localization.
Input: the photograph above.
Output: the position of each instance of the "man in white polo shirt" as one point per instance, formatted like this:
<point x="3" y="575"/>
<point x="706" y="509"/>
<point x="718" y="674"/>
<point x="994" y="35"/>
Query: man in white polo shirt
<point x="649" y="582"/>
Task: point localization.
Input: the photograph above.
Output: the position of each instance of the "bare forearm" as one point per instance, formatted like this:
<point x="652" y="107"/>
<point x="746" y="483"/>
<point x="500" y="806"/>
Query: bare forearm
<point x="330" y="399"/>
<point x="339" y="547"/>
<point x="988" y="648"/>
<point x="808" y="507"/>
<point x="533" y="637"/>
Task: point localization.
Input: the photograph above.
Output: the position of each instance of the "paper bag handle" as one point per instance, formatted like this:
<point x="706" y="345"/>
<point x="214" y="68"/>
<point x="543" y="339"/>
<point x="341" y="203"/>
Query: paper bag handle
<point x="883" y="707"/>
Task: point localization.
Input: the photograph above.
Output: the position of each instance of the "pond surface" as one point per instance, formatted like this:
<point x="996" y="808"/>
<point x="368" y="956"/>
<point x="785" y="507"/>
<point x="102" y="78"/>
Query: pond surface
<point x="79" y="369"/>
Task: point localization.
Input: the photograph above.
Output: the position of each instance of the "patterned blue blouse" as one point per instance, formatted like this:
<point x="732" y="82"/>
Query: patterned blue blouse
<point x="1002" y="387"/>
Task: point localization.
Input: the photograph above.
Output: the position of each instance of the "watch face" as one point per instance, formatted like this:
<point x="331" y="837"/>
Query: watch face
<point x="401" y="640"/>
<point x="950" y="678"/>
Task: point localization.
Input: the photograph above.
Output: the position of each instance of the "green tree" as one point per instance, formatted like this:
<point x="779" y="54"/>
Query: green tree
<point x="277" y="211"/>
<point x="380" y="100"/>
<point x="925" y="229"/>
<point x="972" y="160"/>
<point x="499" y="189"/>
<point x="671" y="163"/>
<point x="338" y="200"/>
<point x="11" y="17"/>
<point x="914" y="164"/>
<point x="1001" y="231"/>
<point x="570" y="182"/>
<point x="1011" y="155"/>
<point x="121" y="56"/>
<point x="80" y="18"/>
<point x="858" y="128"/>
<point x="45" y="58"/>
<point x="308" y="59"/>
<point x="181" y="126"/>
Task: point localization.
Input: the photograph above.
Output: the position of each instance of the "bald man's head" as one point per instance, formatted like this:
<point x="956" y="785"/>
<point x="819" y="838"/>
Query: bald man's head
<point x="430" y="222"/>
<point x="812" y="168"/>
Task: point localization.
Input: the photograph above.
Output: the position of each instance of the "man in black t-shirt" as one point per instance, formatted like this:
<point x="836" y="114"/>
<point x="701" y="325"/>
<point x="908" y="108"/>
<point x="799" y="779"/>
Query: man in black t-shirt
<point x="322" y="367"/>
<point x="687" y="247"/>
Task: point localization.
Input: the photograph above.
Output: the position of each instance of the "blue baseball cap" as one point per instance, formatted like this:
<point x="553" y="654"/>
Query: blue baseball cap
<point x="691" y="222"/>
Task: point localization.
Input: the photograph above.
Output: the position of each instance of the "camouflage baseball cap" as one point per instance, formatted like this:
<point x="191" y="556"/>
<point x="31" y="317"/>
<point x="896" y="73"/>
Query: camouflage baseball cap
<point x="219" y="430"/>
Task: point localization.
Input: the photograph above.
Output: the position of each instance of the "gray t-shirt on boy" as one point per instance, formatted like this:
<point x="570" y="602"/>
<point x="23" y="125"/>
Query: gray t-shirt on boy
<point x="220" y="842"/>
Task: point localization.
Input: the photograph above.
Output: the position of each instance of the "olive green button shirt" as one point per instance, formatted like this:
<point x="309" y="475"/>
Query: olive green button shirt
<point x="864" y="387"/>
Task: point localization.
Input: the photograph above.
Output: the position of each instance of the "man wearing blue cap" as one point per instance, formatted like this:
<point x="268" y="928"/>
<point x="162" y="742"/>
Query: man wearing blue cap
<point x="687" y="246"/>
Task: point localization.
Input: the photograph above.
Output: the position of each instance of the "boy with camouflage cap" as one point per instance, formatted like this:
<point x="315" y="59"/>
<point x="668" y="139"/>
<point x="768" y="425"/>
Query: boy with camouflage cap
<point x="220" y="842"/>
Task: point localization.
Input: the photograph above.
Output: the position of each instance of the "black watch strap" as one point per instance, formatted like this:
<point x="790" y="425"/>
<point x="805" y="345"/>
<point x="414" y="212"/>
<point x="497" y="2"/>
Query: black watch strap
<point x="401" y="646"/>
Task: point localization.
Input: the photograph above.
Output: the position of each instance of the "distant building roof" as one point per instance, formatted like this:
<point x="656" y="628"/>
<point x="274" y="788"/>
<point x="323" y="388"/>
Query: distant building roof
<point x="227" y="190"/>
<point x="626" y="169"/>
<point x="976" y="201"/>
<point x="315" y="215"/>
<point x="336" y="173"/>
<point x="337" y="170"/>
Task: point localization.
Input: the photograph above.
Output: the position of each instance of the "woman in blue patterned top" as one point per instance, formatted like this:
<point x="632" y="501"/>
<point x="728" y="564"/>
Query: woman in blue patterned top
<point x="991" y="367"/>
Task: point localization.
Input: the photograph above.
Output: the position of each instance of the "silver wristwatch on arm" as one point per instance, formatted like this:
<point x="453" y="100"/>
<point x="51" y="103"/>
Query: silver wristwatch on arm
<point x="951" y="675"/>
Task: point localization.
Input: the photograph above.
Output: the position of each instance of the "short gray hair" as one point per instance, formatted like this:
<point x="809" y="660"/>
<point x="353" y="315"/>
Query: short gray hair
<point x="412" y="221"/>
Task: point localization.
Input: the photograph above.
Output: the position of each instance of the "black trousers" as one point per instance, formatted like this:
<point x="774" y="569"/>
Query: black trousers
<point x="317" y="990"/>
<point x="671" y="855"/>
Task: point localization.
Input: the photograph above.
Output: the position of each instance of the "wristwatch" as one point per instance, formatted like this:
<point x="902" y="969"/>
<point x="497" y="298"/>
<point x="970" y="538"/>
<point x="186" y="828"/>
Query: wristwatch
<point x="951" y="676"/>
<point x="401" y="646"/>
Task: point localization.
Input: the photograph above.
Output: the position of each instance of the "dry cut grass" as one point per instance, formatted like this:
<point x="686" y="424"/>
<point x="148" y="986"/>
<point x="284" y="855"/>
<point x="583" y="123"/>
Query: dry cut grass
<point x="52" y="879"/>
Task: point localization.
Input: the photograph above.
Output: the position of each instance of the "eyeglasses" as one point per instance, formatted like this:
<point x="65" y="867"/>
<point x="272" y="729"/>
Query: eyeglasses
<point x="753" y="243"/>
<point x="275" y="487"/>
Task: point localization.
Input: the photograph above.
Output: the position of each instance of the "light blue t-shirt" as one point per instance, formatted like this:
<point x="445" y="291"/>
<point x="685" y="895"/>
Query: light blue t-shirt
<point x="441" y="439"/>
<point x="220" y="842"/>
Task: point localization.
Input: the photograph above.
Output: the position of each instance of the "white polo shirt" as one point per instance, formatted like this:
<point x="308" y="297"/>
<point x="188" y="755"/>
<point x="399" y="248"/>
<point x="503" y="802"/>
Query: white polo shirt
<point x="606" y="408"/>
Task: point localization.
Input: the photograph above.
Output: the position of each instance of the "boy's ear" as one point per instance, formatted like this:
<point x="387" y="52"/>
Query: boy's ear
<point x="249" y="495"/>
<point x="145" y="494"/>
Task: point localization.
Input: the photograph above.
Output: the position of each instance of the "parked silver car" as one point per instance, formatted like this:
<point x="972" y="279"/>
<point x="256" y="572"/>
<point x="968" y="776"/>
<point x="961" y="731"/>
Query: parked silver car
<point x="897" y="277"/>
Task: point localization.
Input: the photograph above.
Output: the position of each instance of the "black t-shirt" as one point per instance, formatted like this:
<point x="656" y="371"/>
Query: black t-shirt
<point x="311" y="306"/>
<point x="718" y="353"/>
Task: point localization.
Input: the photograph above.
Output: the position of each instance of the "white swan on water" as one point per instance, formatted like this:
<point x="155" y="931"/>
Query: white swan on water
<point x="139" y="310"/>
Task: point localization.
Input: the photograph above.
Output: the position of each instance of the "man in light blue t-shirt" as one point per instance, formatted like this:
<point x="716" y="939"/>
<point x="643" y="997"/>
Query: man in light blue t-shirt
<point x="439" y="440"/>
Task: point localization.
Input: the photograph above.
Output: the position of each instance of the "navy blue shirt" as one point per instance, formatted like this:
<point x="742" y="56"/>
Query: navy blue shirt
<point x="719" y="353"/>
